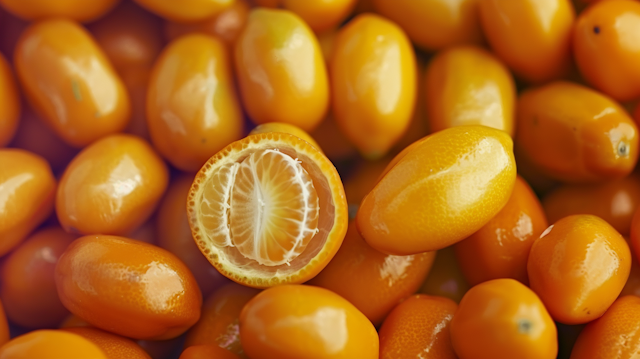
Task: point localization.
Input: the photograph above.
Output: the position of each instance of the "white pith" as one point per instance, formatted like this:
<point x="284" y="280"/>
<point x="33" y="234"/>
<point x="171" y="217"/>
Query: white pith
<point x="252" y="209"/>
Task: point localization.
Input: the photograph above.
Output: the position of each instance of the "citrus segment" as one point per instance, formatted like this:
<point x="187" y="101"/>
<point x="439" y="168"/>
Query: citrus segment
<point x="268" y="209"/>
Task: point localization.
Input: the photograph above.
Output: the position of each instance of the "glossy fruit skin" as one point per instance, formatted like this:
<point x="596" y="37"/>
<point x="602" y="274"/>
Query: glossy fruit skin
<point x="163" y="298"/>
<point x="402" y="218"/>
<point x="173" y="234"/>
<point x="373" y="83"/>
<point x="225" y="25"/>
<point x="114" y="346"/>
<point x="321" y="15"/>
<point x="300" y="321"/>
<point x="500" y="249"/>
<point x="28" y="189"/>
<point x="35" y="136"/>
<point x="445" y="278"/>
<point x="78" y="10"/>
<point x="119" y="174"/>
<point x="502" y="318"/>
<point x="185" y="10"/>
<point x="374" y="283"/>
<point x="280" y="70"/>
<point x="435" y="24"/>
<point x="10" y="109"/>
<point x="418" y="327"/>
<point x="612" y="336"/>
<point x="80" y="105"/>
<point x="220" y="319"/>
<point x="192" y="110"/>
<point x="605" y="50"/>
<point x="51" y="344"/>
<point x="574" y="134"/>
<point x="532" y="37"/>
<point x="614" y="201"/>
<point x="28" y="288"/>
<point x="467" y="85"/>
<point x="207" y="352"/>
<point x="578" y="267"/>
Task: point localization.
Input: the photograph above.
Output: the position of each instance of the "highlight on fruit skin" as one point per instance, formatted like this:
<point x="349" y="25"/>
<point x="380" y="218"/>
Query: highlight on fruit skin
<point x="439" y="190"/>
<point x="268" y="209"/>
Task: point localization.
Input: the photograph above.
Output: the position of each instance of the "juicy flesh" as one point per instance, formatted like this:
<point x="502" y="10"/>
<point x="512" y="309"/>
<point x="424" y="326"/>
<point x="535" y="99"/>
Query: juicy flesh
<point x="266" y="206"/>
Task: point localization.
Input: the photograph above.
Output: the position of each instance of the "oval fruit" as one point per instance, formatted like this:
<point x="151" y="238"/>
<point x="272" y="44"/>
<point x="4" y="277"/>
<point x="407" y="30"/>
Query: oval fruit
<point x="10" y="109"/>
<point x="80" y="104"/>
<point x="280" y="70"/>
<point x="467" y="85"/>
<point x="578" y="267"/>
<point x="162" y="299"/>
<point x="299" y="321"/>
<point x="373" y="83"/>
<point x="192" y="110"/>
<point x="27" y="193"/>
<point x="502" y="318"/>
<point x="606" y="49"/>
<point x="533" y="37"/>
<point x="574" y="134"/>
<point x="111" y="187"/>
<point x="439" y="190"/>
<point x="51" y="344"/>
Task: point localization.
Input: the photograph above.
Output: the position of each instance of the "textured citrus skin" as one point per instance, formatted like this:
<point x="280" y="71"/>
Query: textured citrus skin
<point x="192" y="108"/>
<point x="435" y="24"/>
<point x="28" y="287"/>
<point x="80" y="106"/>
<point x="128" y="287"/>
<point x="574" y="134"/>
<point x="220" y="319"/>
<point x="114" y="346"/>
<point x="467" y="85"/>
<point x="376" y="282"/>
<point x="634" y="237"/>
<point x="439" y="191"/>
<point x="286" y="128"/>
<point x="207" y="352"/>
<point x="321" y="15"/>
<point x="418" y="328"/>
<point x="373" y="83"/>
<point x="225" y="26"/>
<point x="445" y="278"/>
<point x="503" y="319"/>
<point x="614" y="335"/>
<point x="111" y="186"/>
<point x="186" y="10"/>
<point x="533" y="37"/>
<point x="51" y="344"/>
<point x="29" y="187"/>
<point x="614" y="201"/>
<point x="300" y="321"/>
<point x="604" y="51"/>
<point x="78" y="10"/>
<point x="10" y="109"/>
<point x="326" y="177"/>
<point x="500" y="249"/>
<point x="293" y="85"/>
<point x="578" y="267"/>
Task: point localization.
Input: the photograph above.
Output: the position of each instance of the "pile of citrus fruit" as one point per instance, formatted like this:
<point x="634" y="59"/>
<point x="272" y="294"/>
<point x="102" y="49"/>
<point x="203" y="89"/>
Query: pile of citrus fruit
<point x="311" y="179"/>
